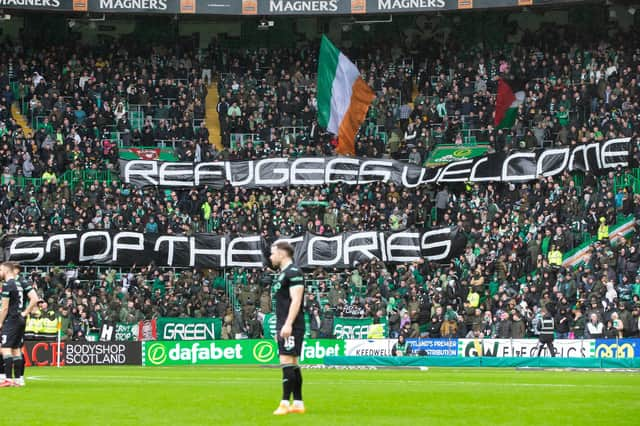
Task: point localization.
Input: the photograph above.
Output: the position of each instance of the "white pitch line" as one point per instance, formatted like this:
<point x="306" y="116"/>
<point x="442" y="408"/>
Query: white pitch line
<point x="140" y="379"/>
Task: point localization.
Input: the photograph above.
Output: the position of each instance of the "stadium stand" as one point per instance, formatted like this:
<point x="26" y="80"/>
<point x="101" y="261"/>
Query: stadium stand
<point x="60" y="172"/>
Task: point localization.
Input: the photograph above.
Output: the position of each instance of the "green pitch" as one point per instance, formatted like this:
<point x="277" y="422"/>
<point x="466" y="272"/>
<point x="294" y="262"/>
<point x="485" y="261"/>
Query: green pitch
<point x="247" y="396"/>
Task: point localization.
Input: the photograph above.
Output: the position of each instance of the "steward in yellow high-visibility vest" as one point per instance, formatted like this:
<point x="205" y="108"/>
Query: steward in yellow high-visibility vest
<point x="33" y="324"/>
<point x="603" y="230"/>
<point x="555" y="256"/>
<point x="473" y="298"/>
<point x="376" y="331"/>
<point x="50" y="325"/>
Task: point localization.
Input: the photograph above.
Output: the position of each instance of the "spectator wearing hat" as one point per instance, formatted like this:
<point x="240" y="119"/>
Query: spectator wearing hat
<point x="626" y="318"/>
<point x="595" y="327"/>
<point x="615" y="327"/>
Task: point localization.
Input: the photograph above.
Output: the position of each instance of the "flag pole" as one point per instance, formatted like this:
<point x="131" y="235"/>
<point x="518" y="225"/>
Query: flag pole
<point x="59" y="338"/>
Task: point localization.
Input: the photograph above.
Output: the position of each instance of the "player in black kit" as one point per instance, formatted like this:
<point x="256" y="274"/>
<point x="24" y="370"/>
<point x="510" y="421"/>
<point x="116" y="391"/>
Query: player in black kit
<point x="13" y="316"/>
<point x="289" y="289"/>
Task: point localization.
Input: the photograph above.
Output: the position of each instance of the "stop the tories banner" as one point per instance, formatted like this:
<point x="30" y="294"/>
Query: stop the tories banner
<point x="219" y="251"/>
<point x="233" y="352"/>
<point x="519" y="166"/>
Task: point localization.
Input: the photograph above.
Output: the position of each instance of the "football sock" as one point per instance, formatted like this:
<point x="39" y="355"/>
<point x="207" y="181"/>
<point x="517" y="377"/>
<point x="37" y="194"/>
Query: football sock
<point x="297" y="388"/>
<point x="288" y="381"/>
<point x="1" y="364"/>
<point x="22" y="365"/>
<point x="18" y="367"/>
<point x="8" y="366"/>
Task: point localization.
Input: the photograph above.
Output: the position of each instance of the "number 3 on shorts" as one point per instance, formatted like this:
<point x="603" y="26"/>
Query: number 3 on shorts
<point x="4" y="339"/>
<point x="290" y="342"/>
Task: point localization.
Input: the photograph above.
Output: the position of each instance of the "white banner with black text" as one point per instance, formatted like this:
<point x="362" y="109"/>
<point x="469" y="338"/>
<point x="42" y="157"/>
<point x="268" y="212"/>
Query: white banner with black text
<point x="517" y="166"/>
<point x="127" y="248"/>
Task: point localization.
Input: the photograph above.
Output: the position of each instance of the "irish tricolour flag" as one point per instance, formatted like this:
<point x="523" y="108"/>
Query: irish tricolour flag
<point x="343" y="97"/>
<point x="510" y="97"/>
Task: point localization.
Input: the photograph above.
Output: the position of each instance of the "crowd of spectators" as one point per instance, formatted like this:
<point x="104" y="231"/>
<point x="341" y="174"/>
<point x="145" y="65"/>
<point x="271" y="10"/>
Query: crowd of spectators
<point x="78" y="99"/>
<point x="575" y="93"/>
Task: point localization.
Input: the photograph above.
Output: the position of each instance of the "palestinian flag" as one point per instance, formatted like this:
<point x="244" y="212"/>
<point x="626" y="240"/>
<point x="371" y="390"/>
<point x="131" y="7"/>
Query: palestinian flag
<point x="343" y="96"/>
<point x="510" y="97"/>
<point x="162" y="154"/>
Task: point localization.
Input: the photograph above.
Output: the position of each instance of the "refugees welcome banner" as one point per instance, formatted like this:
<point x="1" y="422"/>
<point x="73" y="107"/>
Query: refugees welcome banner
<point x="220" y="251"/>
<point x="520" y="166"/>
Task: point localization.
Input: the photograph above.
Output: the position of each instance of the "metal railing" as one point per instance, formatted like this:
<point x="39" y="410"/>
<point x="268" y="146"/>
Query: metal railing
<point x="73" y="178"/>
<point x="166" y="143"/>
<point x="239" y="140"/>
<point x="72" y="272"/>
<point x="627" y="181"/>
<point x="139" y="116"/>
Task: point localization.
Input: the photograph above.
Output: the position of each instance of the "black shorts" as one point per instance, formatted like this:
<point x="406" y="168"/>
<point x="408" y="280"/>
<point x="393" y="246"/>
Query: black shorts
<point x="546" y="339"/>
<point x="13" y="333"/>
<point x="293" y="345"/>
